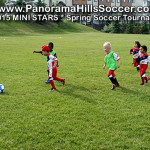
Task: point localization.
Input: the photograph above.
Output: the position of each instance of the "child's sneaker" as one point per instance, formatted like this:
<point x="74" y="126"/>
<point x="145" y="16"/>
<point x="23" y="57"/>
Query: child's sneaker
<point x="147" y="79"/>
<point x="47" y="81"/>
<point x="113" y="87"/>
<point x="63" y="82"/>
<point x="117" y="85"/>
<point x="142" y="84"/>
<point x="52" y="89"/>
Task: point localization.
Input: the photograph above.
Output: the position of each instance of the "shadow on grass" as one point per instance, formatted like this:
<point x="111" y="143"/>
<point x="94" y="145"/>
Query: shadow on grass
<point x="4" y="93"/>
<point x="129" y="91"/>
<point x="72" y="90"/>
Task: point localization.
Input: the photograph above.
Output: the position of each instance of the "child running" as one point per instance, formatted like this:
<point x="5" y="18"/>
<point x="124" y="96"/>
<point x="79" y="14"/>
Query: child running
<point x="111" y="60"/>
<point x="136" y="52"/>
<point x="52" y="67"/>
<point x="143" y="59"/>
<point x="52" y="52"/>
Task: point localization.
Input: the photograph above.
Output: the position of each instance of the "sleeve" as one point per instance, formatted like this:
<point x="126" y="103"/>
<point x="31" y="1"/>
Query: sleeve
<point x="131" y="51"/>
<point x="52" y="58"/>
<point x="148" y="59"/>
<point x="55" y="55"/>
<point x="116" y="57"/>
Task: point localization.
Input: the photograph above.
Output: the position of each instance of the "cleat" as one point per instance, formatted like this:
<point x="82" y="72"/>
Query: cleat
<point x="117" y="85"/>
<point x="63" y="82"/>
<point x="147" y="79"/>
<point x="143" y="84"/>
<point x="47" y="81"/>
<point x="52" y="89"/>
<point x="113" y="87"/>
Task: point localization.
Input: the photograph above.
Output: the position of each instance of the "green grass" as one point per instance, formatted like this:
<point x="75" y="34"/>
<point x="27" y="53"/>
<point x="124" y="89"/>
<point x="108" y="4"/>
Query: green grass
<point x="83" y="114"/>
<point x="26" y="28"/>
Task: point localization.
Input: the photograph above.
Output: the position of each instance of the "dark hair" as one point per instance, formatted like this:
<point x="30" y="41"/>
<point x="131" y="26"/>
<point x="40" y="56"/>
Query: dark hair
<point x="144" y="48"/>
<point x="138" y="44"/>
<point x="51" y="44"/>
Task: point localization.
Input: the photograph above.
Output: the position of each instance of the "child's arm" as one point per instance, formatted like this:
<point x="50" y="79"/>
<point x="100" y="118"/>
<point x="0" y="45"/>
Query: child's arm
<point x="37" y="52"/>
<point x="104" y="66"/>
<point x="131" y="51"/>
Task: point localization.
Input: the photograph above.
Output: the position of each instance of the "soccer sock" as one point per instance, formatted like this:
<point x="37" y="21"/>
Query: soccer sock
<point x="116" y="82"/>
<point x="145" y="78"/>
<point x="112" y="80"/>
<point x="138" y="67"/>
<point x="142" y="80"/>
<point x="52" y="84"/>
<point x="48" y="72"/>
<point x="59" y="79"/>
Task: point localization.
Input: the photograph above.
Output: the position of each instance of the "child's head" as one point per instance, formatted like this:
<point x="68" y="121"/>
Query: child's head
<point x="45" y="50"/>
<point x="50" y="45"/>
<point x="143" y="49"/>
<point x="107" y="47"/>
<point x="137" y="44"/>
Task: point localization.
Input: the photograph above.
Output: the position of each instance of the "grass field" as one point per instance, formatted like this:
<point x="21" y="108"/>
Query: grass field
<point x="83" y="114"/>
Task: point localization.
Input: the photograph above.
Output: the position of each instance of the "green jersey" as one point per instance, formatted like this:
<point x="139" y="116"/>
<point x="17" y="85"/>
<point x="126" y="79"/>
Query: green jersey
<point x="110" y="60"/>
<point x="53" y="53"/>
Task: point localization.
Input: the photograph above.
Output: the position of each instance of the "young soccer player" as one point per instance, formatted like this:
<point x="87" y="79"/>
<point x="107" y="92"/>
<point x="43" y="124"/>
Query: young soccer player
<point x="111" y="60"/>
<point x="52" y="67"/>
<point x="136" y="52"/>
<point x="143" y="59"/>
<point x="52" y="52"/>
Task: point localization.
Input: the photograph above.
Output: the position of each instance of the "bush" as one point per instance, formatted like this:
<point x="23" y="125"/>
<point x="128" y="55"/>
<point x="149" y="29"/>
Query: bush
<point x="137" y="29"/>
<point x="144" y="28"/>
<point x="107" y="29"/>
<point x="124" y="28"/>
<point x="115" y="27"/>
<point x="130" y="28"/>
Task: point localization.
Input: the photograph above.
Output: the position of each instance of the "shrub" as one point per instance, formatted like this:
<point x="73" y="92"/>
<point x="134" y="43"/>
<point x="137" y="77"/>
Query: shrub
<point x="144" y="28"/>
<point x="130" y="28"/>
<point x="107" y="28"/>
<point x="115" y="27"/>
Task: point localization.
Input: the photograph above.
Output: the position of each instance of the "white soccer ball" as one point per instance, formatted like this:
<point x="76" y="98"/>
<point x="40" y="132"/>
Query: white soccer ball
<point x="2" y="88"/>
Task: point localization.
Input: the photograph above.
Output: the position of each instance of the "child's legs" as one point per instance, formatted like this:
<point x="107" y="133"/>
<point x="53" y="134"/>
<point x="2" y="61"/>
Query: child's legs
<point x="55" y="75"/>
<point x="51" y="78"/>
<point x="52" y="84"/>
<point x="111" y="75"/>
<point x="143" y="69"/>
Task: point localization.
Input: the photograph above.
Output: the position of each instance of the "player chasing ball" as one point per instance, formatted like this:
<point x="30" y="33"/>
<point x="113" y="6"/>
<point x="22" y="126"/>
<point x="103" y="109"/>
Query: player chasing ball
<point x="52" y="67"/>
<point x="52" y="52"/>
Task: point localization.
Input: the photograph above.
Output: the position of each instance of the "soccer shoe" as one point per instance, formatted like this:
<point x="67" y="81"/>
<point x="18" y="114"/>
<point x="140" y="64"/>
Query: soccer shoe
<point x="63" y="82"/>
<point x="147" y="79"/>
<point x="117" y="85"/>
<point x="113" y="87"/>
<point x="143" y="84"/>
<point x="47" y="81"/>
<point x="52" y="89"/>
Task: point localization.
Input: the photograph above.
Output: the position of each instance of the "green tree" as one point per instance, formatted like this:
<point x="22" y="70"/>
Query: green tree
<point x="115" y="27"/>
<point x="144" y="28"/>
<point x="20" y="3"/>
<point x="2" y="2"/>
<point x="40" y="15"/>
<point x="130" y="27"/>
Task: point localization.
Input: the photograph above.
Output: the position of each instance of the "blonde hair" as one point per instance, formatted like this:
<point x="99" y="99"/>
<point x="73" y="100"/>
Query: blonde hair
<point x="107" y="44"/>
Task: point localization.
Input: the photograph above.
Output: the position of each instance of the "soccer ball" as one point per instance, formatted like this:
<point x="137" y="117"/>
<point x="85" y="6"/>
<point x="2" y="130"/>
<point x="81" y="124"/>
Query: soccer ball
<point x="2" y="88"/>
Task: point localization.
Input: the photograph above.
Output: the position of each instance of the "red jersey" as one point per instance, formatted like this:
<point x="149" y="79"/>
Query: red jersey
<point x="135" y="52"/>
